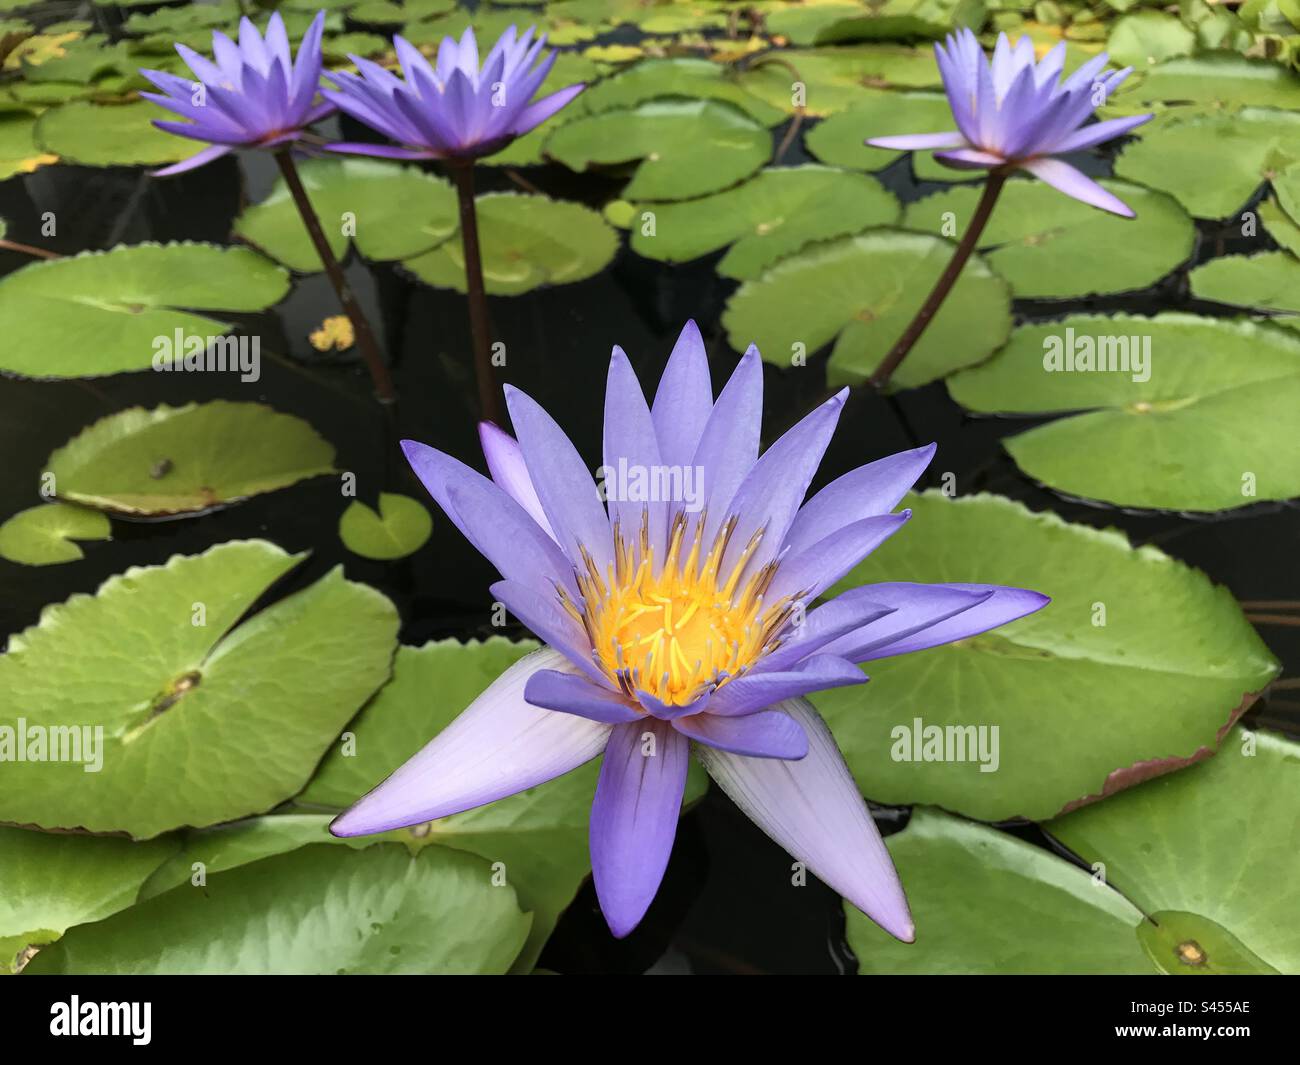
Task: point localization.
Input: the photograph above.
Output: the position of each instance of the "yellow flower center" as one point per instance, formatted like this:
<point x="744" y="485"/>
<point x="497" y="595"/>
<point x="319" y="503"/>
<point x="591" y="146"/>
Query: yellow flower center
<point x="678" y="629"/>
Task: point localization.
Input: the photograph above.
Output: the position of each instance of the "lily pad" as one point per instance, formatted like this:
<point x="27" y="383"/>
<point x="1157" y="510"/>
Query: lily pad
<point x="1145" y="38"/>
<point x="1281" y="225"/>
<point x="18" y="151"/>
<point x="1221" y="81"/>
<point x="682" y="77"/>
<point x="826" y="80"/>
<point x="986" y="902"/>
<point x="527" y="241"/>
<point x="44" y="535"/>
<point x="774" y="214"/>
<point x="315" y="910"/>
<point x="92" y="134"/>
<point x="1207" y="430"/>
<point x="53" y="882"/>
<point x="399" y="528"/>
<point x="1269" y="282"/>
<point x="861" y="292"/>
<point x="569" y="69"/>
<point x="182" y="460"/>
<point x="1210" y="845"/>
<point x="389" y="212"/>
<point x="196" y="721"/>
<point x="1160" y="661"/>
<point x="685" y="148"/>
<point x="1212" y="164"/>
<point x="840" y="139"/>
<point x="104" y="312"/>
<point x="1050" y="246"/>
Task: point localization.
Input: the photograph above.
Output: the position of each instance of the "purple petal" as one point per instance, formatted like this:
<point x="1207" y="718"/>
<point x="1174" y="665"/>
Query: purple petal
<point x="813" y="570"/>
<point x="631" y="446"/>
<point x="1064" y="178"/>
<point x="683" y="399"/>
<point x="489" y="519"/>
<point x="539" y="111"/>
<point x="563" y="481"/>
<point x="1099" y="132"/>
<point x="769" y="497"/>
<point x="728" y="446"/>
<point x="382" y="151"/>
<point x="542" y="614"/>
<point x="870" y="490"/>
<point x="820" y="627"/>
<point x="202" y="158"/>
<point x="757" y="691"/>
<point x="668" y="711"/>
<point x="571" y="694"/>
<point x="762" y="734"/>
<point x="506" y="464"/>
<point x="918" y="142"/>
<point x="969" y="159"/>
<point x="634" y="818"/>
<point x="500" y="745"/>
<point x="812" y="808"/>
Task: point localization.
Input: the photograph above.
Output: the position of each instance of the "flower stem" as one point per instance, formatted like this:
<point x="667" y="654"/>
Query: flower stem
<point x="360" y="323"/>
<point x="489" y="395"/>
<point x="890" y="363"/>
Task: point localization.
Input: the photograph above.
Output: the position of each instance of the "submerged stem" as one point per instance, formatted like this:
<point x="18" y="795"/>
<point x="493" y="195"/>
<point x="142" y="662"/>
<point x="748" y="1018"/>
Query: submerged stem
<point x="480" y="328"/>
<point x="890" y="363"/>
<point x="360" y="323"/>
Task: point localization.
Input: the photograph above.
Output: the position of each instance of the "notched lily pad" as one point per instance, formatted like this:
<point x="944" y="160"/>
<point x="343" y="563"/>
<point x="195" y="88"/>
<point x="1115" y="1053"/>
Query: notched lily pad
<point x="112" y="311"/>
<point x="526" y="241"/>
<point x="861" y="292"/>
<point x="1128" y="627"/>
<point x="1195" y="413"/>
<point x="44" y="535"/>
<point x="184" y="460"/>
<point x="399" y="528"/>
<point x="92" y="134"/>
<point x="167" y="714"/>
<point x="840" y="139"/>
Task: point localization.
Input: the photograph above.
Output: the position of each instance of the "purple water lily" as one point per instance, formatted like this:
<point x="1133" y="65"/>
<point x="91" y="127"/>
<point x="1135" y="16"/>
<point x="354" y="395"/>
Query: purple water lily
<point x="255" y="95"/>
<point x="679" y="621"/>
<point x="1014" y="113"/>
<point x="453" y="110"/>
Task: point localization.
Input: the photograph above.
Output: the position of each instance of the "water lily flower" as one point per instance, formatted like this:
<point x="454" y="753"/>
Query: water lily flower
<point x="678" y="620"/>
<point x="1015" y="113"/>
<point x="255" y="94"/>
<point x="454" y="110"/>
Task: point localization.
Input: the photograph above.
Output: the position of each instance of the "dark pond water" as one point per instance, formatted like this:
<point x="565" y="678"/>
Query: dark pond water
<point x="725" y="905"/>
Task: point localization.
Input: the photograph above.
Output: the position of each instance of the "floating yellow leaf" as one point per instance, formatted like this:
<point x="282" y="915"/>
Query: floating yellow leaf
<point x="334" y="334"/>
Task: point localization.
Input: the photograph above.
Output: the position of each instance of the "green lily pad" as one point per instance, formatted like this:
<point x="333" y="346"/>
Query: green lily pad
<point x="986" y="902"/>
<point x="1215" y="80"/>
<point x="191" y="723"/>
<point x="1130" y="628"/>
<point x="399" y="528"/>
<point x="1050" y="246"/>
<point x="1212" y="845"/>
<point x="683" y="77"/>
<point x="1212" y="164"/>
<point x="44" y="535"/>
<point x="315" y="910"/>
<point x="840" y="139"/>
<point x="1145" y="38"/>
<point x="776" y="213"/>
<point x="18" y="151"/>
<point x="1280" y="225"/>
<point x="569" y="69"/>
<point x="103" y="312"/>
<point x="1207" y="431"/>
<point x="101" y="135"/>
<point x="390" y="212"/>
<point x="527" y="241"/>
<point x="1269" y="282"/>
<point x="53" y="882"/>
<point x="179" y="460"/>
<point x="685" y="148"/>
<point x="835" y="78"/>
<point x="861" y="292"/>
<point x="1286" y="184"/>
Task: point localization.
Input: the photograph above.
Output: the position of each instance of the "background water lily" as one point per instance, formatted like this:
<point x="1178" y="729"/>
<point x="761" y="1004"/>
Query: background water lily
<point x="254" y="94"/>
<point x="667" y="628"/>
